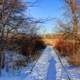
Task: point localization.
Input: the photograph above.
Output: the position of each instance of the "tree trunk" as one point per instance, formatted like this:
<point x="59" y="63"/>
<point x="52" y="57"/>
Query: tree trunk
<point x="73" y="6"/>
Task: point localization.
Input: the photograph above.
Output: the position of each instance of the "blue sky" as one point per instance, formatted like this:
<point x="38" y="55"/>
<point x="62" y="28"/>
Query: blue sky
<point x="48" y="9"/>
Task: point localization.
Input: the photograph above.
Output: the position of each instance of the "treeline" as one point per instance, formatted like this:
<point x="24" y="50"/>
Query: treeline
<point x="27" y="44"/>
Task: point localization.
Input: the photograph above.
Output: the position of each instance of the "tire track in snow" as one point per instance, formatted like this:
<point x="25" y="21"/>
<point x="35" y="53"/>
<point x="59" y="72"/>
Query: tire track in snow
<point x="57" y="65"/>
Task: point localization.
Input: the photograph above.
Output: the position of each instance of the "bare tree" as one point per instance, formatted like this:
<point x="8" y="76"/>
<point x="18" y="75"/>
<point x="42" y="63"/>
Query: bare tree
<point x="74" y="9"/>
<point x="9" y="19"/>
<point x="12" y="19"/>
<point x="71" y="38"/>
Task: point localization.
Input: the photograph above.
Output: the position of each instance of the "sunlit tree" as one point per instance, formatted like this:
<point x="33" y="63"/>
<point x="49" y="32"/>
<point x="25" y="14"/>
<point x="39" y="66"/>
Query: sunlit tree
<point x="74" y="9"/>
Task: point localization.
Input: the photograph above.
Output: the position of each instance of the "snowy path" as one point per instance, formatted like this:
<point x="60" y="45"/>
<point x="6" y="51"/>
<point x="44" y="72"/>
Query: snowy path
<point x="40" y="71"/>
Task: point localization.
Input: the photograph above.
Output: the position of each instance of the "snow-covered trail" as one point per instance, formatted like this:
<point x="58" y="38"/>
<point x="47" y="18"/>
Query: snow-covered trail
<point x="40" y="71"/>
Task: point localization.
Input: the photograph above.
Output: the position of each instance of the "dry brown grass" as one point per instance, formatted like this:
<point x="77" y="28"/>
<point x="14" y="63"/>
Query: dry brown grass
<point x="69" y="48"/>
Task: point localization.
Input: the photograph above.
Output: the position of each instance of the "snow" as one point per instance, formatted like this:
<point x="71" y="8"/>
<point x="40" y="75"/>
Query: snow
<point x="51" y="70"/>
<point x="57" y="64"/>
<point x="40" y="71"/>
<point x="73" y="71"/>
<point x="69" y="70"/>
